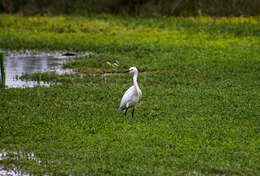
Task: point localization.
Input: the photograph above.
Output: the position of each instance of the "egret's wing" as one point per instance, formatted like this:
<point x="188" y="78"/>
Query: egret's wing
<point x="127" y="97"/>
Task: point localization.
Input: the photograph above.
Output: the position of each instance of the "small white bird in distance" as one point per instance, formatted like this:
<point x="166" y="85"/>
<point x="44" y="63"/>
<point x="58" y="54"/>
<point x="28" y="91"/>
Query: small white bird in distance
<point x="133" y="95"/>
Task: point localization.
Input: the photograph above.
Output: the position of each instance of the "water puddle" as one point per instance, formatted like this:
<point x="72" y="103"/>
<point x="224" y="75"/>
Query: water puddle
<point x="30" y="61"/>
<point x="198" y="173"/>
<point x="16" y="155"/>
<point x="13" y="172"/>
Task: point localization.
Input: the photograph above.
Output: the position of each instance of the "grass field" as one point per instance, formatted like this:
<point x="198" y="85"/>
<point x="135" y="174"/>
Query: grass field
<point x="200" y="111"/>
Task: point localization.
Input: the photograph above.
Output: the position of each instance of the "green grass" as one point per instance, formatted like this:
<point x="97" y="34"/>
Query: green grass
<point x="200" y="108"/>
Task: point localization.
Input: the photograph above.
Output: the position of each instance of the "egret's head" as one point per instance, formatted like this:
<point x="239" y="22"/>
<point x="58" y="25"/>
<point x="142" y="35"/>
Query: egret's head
<point x="131" y="70"/>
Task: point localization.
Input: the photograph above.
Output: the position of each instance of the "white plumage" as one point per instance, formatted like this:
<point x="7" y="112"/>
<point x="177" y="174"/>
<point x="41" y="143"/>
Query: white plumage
<point x="133" y="95"/>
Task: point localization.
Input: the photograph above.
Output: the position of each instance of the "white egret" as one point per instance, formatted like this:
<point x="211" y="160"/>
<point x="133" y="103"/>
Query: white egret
<point x="133" y="95"/>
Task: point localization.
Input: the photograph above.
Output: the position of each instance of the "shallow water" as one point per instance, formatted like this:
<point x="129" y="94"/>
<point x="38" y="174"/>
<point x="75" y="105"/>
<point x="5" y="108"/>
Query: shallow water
<point x="28" y="61"/>
<point x="15" y="171"/>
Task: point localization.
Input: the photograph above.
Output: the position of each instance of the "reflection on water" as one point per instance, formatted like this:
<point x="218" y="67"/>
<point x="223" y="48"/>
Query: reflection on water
<point x="17" y="63"/>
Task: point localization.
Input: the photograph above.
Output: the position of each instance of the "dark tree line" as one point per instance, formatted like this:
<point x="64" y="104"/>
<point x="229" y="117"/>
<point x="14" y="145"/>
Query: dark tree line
<point x="134" y="7"/>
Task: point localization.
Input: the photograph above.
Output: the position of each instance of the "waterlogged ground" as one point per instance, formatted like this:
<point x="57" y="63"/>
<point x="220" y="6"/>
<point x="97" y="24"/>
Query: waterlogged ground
<point x="23" y="62"/>
<point x="200" y="109"/>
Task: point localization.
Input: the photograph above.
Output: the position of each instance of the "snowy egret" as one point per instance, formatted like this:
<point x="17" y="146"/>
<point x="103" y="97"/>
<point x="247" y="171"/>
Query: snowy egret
<point x="133" y="95"/>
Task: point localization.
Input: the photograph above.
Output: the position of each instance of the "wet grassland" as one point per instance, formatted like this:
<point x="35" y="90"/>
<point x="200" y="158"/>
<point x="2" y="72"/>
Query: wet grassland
<point x="199" y="115"/>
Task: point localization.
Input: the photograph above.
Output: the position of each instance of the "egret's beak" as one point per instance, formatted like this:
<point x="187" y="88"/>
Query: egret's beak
<point x="126" y="71"/>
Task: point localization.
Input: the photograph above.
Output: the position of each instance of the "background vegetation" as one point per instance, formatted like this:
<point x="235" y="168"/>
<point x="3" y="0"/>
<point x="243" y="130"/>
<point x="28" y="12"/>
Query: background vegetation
<point x="134" y="7"/>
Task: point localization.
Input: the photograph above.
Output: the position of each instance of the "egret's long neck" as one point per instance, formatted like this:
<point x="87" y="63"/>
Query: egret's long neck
<point x="135" y="81"/>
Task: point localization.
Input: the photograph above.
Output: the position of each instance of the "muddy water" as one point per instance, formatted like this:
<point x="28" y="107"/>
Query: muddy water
<point x="19" y="62"/>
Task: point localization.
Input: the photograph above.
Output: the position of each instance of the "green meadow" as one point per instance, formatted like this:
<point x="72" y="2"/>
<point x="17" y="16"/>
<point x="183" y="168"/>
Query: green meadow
<point x="199" y="114"/>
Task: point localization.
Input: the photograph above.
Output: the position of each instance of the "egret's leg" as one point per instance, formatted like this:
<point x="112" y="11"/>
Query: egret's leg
<point x="133" y="111"/>
<point x="126" y="111"/>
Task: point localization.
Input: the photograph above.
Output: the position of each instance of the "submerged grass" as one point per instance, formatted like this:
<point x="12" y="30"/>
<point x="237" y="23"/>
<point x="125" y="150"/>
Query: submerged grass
<point x="200" y="108"/>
